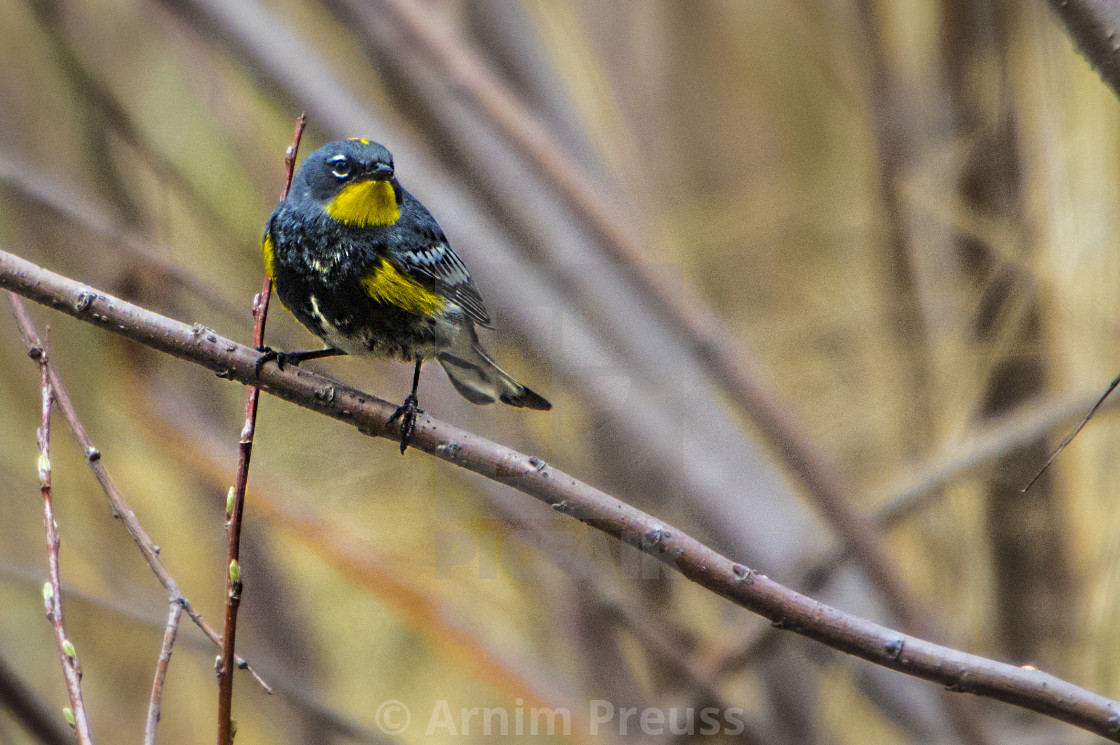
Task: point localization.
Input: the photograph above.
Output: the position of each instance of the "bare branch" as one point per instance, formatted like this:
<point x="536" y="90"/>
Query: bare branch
<point x="1025" y="687"/>
<point x="52" y="590"/>
<point x="155" y="702"/>
<point x="1065" y="443"/>
<point x="121" y="510"/>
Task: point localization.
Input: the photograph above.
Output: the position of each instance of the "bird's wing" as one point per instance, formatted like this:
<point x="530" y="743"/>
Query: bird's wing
<point x="438" y="264"/>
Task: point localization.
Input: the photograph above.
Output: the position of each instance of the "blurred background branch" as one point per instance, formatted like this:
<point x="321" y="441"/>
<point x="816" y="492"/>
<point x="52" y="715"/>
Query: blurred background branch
<point x="1094" y="26"/>
<point x="41" y="721"/>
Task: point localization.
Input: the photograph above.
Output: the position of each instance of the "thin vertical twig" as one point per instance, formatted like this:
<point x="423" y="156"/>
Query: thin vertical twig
<point x="52" y="590"/>
<point x="237" y="505"/>
<point x="155" y="703"/>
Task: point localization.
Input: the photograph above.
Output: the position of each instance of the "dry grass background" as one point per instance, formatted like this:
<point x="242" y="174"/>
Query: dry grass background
<point x="903" y="213"/>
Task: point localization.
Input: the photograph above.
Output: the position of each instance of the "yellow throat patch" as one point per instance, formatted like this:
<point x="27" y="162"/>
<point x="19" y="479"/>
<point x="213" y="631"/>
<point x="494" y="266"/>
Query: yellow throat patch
<point x="365" y="204"/>
<point x="268" y="250"/>
<point x="386" y="284"/>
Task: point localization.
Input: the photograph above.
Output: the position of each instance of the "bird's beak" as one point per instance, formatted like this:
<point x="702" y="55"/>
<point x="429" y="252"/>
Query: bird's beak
<point x="382" y="172"/>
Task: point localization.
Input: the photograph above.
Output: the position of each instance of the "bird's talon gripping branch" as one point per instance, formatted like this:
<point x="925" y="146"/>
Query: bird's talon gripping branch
<point x="407" y="412"/>
<point x="267" y="354"/>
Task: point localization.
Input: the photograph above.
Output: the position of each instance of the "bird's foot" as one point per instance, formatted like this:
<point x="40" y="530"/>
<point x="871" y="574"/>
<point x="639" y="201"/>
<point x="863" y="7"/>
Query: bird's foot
<point x="407" y="412"/>
<point x="267" y="354"/>
<point x="282" y="358"/>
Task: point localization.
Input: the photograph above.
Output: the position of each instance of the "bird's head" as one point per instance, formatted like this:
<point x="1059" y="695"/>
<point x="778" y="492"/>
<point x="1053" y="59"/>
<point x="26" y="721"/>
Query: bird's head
<point x="354" y="182"/>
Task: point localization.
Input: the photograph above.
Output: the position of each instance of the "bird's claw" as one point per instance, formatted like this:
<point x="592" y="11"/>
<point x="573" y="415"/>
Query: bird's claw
<point x="268" y="353"/>
<point x="406" y="412"/>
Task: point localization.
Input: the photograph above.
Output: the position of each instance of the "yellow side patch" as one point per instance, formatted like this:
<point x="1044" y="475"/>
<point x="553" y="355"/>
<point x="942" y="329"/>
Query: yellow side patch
<point x="365" y="204"/>
<point x="386" y="284"/>
<point x="268" y="250"/>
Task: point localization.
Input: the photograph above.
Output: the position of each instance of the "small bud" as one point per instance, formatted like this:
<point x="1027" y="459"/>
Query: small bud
<point x="232" y="728"/>
<point x="235" y="570"/>
<point x="68" y="715"/>
<point x="44" y="466"/>
<point x="229" y="501"/>
<point x="48" y="594"/>
<point x="68" y="648"/>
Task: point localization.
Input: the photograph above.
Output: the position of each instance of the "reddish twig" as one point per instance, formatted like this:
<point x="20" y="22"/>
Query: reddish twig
<point x="52" y="590"/>
<point x="237" y="507"/>
<point x="1025" y="687"/>
<point x="121" y="510"/>
<point x="171" y="631"/>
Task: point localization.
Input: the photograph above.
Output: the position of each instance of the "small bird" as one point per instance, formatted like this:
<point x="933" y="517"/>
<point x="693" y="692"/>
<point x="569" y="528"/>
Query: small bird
<point x="365" y="267"/>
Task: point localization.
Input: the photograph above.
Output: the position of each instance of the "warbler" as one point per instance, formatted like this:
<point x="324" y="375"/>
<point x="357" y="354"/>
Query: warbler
<point x="365" y="267"/>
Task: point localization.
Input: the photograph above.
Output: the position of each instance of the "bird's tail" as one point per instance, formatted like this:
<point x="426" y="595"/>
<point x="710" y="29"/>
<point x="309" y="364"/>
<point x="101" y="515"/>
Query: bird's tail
<point x="479" y="379"/>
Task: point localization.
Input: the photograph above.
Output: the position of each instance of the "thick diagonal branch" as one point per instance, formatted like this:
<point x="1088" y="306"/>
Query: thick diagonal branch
<point x="1025" y="687"/>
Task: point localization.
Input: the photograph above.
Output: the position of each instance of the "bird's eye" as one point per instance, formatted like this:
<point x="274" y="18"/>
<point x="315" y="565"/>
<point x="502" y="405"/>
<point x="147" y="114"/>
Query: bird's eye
<point x="340" y="167"/>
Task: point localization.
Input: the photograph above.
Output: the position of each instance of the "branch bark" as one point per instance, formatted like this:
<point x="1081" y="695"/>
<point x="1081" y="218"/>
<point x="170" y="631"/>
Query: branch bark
<point x="1025" y="687"/>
